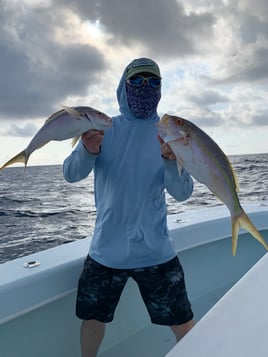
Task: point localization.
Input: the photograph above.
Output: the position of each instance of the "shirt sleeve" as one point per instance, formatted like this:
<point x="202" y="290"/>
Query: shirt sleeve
<point x="178" y="185"/>
<point x="79" y="164"/>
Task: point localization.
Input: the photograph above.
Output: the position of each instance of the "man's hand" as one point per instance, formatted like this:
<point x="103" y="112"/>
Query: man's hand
<point x="92" y="140"/>
<point x="167" y="153"/>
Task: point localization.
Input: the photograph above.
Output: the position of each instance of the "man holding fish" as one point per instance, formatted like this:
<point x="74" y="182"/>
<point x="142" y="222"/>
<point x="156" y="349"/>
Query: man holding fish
<point x="131" y="171"/>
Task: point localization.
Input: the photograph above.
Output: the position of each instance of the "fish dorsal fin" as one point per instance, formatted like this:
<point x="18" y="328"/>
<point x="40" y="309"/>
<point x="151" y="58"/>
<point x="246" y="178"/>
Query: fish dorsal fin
<point x="72" y="112"/>
<point x="75" y="140"/>
<point x="53" y="116"/>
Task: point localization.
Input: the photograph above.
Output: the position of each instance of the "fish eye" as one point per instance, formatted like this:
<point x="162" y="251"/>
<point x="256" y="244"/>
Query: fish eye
<point x="178" y="121"/>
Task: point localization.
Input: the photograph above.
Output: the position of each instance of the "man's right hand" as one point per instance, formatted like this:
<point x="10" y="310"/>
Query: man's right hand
<point x="92" y="140"/>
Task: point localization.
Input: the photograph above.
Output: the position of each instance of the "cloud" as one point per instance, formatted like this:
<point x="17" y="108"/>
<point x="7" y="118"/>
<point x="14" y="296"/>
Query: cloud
<point x="162" y="27"/>
<point x="26" y="130"/>
<point x="248" y="65"/>
<point x="242" y="33"/>
<point x="203" y="117"/>
<point x="37" y="70"/>
<point x="248" y="107"/>
<point x="207" y="97"/>
<point x="260" y="119"/>
<point x="207" y="46"/>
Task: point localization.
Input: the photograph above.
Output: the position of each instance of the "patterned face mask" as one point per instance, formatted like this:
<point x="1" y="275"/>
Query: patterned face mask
<point x="143" y="100"/>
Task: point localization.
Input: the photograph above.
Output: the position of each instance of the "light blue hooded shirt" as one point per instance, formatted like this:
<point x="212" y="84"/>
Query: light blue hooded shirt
<point x="130" y="178"/>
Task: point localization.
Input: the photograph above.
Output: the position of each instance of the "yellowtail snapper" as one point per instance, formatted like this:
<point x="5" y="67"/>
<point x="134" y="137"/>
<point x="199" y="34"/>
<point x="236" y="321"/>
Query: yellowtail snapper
<point x="207" y="163"/>
<point x="70" y="122"/>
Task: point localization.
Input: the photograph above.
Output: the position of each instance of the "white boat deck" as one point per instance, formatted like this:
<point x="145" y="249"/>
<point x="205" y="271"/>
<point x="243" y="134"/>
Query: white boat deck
<point x="39" y="302"/>
<point x="237" y="325"/>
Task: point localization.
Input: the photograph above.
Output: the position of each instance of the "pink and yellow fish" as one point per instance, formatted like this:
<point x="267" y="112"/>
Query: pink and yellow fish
<point x="70" y="122"/>
<point x="207" y="163"/>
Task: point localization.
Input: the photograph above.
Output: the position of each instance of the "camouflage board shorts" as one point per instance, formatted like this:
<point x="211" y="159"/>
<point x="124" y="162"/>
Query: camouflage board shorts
<point x="162" y="288"/>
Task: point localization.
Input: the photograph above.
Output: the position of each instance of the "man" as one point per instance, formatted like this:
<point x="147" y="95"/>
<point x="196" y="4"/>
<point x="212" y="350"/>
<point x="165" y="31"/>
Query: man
<point x="131" y="236"/>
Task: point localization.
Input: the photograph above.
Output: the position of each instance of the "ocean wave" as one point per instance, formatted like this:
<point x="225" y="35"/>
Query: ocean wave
<point x="41" y="210"/>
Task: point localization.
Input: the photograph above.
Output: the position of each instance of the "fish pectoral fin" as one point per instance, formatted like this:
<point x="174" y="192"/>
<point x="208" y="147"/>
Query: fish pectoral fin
<point x="21" y="157"/>
<point x="179" y="165"/>
<point x="185" y="138"/>
<point x="242" y="220"/>
<point x="72" y="112"/>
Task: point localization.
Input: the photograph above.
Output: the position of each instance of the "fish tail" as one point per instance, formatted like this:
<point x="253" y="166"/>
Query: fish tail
<point x="243" y="221"/>
<point x="21" y="157"/>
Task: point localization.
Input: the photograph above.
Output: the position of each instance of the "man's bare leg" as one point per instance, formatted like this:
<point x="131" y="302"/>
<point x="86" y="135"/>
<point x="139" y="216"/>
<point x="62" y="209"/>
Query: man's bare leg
<point x="91" y="336"/>
<point x="181" y="330"/>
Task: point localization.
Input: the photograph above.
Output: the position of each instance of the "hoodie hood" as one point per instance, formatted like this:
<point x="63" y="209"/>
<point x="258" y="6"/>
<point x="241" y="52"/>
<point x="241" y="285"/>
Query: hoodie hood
<point x="123" y="101"/>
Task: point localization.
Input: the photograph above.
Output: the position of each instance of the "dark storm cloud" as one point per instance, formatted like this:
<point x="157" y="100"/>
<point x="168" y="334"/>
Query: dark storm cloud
<point x="251" y="27"/>
<point x="163" y="27"/>
<point x="246" y="66"/>
<point x="206" y="118"/>
<point x="37" y="72"/>
<point x="248" y="62"/>
<point x="207" y="97"/>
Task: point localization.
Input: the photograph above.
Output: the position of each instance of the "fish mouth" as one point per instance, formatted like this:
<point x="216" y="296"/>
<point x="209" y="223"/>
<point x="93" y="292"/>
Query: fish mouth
<point x="163" y="123"/>
<point x="164" y="130"/>
<point x="164" y="119"/>
<point x="167" y="137"/>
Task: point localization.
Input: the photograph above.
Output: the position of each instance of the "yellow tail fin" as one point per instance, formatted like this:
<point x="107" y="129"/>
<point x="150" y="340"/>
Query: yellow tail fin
<point x="243" y="221"/>
<point x="21" y="157"/>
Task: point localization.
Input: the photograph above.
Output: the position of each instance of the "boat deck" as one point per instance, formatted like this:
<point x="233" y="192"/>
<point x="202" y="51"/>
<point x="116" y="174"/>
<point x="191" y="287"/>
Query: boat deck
<point x="237" y="325"/>
<point x="37" y="304"/>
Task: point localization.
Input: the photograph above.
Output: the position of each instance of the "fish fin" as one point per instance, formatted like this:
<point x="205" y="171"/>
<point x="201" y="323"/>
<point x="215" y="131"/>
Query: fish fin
<point x="53" y="116"/>
<point x="179" y="162"/>
<point x="179" y="167"/>
<point x="242" y="220"/>
<point x="21" y="157"/>
<point x="75" y="140"/>
<point x="72" y="112"/>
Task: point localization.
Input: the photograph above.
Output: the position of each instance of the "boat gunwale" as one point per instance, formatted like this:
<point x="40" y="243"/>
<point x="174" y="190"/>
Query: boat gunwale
<point x="61" y="266"/>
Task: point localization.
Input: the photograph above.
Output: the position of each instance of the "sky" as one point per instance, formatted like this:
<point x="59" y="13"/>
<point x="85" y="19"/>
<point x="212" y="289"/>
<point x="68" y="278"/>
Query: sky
<point x="213" y="58"/>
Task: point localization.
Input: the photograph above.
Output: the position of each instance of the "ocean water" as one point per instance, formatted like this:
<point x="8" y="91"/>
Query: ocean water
<point x="40" y="210"/>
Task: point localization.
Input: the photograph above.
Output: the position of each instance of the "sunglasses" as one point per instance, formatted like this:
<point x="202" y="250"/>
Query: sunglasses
<point x="138" y="81"/>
